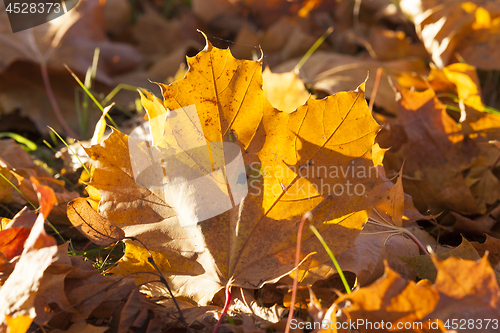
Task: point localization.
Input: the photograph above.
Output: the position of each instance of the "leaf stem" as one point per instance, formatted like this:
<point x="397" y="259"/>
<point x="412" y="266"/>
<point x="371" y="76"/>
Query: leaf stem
<point x="226" y="307"/>
<point x="413" y="238"/>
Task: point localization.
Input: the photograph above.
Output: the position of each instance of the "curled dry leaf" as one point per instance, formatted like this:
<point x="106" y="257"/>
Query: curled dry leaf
<point x="457" y="28"/>
<point x="98" y="230"/>
<point x="252" y="243"/>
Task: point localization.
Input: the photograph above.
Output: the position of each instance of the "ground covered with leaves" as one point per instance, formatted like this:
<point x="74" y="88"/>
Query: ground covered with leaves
<point x="252" y="166"/>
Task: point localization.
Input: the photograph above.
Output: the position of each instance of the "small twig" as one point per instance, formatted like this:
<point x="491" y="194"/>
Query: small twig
<point x="53" y="101"/>
<point x="494" y="165"/>
<point x="375" y="88"/>
<point x="295" y="278"/>
<point x="163" y="281"/>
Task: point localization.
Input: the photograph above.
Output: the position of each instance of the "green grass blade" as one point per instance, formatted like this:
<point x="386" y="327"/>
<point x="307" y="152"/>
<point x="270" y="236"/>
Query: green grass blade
<point x="71" y="150"/>
<point x="313" y="48"/>
<point x="19" y="191"/>
<point x="330" y="253"/>
<point x="116" y="90"/>
<point x="28" y="145"/>
<point x="90" y="95"/>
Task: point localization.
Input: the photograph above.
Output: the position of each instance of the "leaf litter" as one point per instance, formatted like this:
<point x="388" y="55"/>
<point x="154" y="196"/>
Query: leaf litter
<point x="428" y="215"/>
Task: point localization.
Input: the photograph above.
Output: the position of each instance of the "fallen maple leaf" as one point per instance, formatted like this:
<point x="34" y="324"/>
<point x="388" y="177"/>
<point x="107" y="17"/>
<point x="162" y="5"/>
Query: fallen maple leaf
<point x="100" y="231"/>
<point x="464" y="289"/>
<point x="252" y="243"/>
<point x="382" y="237"/>
<point x="434" y="159"/>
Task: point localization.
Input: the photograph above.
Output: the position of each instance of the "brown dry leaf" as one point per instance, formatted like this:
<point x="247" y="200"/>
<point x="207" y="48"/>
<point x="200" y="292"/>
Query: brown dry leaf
<point x="381" y="238"/>
<point x="424" y="266"/>
<point x="17" y="294"/>
<point x="286" y="38"/>
<point x="386" y="44"/>
<point x="252" y="243"/>
<point x="117" y="15"/>
<point x="72" y="289"/>
<point x="83" y="327"/>
<point x="333" y="72"/>
<point x="468" y="290"/>
<point x="483" y="184"/>
<point x="100" y="231"/>
<point x="164" y="43"/>
<point x="69" y="39"/>
<point x="24" y="98"/>
<point x="434" y="152"/>
<point x="458" y="28"/>
<point x="480" y="225"/>
<point x="285" y="91"/>
<point x="391" y="299"/>
<point x="17" y="165"/>
<point x="457" y="293"/>
<point x="263" y="13"/>
<point x="492" y="245"/>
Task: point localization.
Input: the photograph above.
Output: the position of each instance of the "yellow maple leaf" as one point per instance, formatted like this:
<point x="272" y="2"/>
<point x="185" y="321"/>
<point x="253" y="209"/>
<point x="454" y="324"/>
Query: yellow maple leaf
<point x="317" y="158"/>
